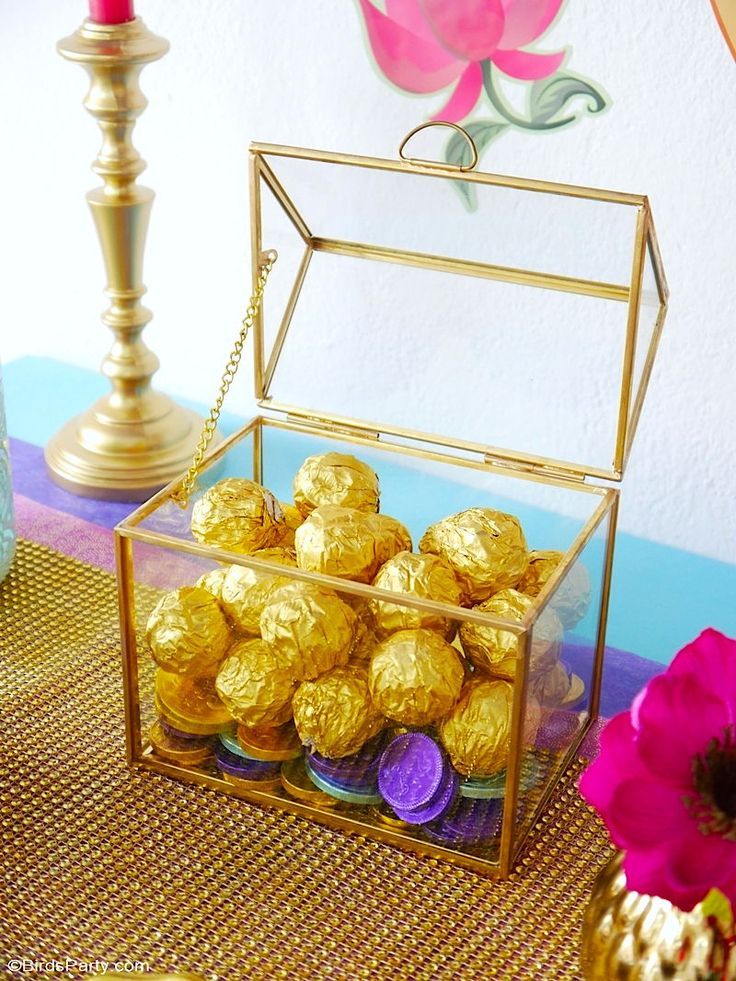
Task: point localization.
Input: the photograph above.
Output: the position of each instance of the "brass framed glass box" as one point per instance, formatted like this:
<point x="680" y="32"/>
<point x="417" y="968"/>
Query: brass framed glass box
<point x="517" y="313"/>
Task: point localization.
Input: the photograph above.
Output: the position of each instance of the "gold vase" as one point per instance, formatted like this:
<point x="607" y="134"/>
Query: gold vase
<point x="133" y="440"/>
<point x="628" y="936"/>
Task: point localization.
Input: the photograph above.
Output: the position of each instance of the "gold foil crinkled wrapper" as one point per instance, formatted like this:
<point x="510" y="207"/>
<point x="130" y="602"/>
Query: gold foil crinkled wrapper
<point x="335" y="478"/>
<point x="212" y="581"/>
<point x="335" y="714"/>
<point x="310" y="627"/>
<point x="256" y="683"/>
<point x="365" y="639"/>
<point x="346" y="543"/>
<point x="496" y="650"/>
<point x="392" y="537"/>
<point x="246" y="592"/>
<point x="415" y="677"/>
<point x="571" y="599"/>
<point x="292" y="519"/>
<point x="237" y="515"/>
<point x="423" y="576"/>
<point x="477" y="732"/>
<point x="485" y="548"/>
<point x="187" y="632"/>
<point x="551" y="687"/>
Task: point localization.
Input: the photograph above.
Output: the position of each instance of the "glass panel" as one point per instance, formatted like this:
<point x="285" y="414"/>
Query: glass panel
<point x="184" y="722"/>
<point x="563" y="648"/>
<point x="649" y="311"/>
<point x="526" y="363"/>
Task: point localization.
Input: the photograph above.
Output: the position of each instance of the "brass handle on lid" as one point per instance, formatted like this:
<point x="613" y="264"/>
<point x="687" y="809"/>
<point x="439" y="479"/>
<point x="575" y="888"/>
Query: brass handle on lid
<point x="437" y="163"/>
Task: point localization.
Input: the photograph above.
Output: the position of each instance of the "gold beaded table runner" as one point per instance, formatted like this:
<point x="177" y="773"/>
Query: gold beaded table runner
<point x="108" y="864"/>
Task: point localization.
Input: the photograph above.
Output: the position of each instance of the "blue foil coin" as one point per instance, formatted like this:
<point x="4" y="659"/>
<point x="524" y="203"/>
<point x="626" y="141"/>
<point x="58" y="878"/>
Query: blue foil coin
<point x="245" y="769"/>
<point x="229" y="740"/>
<point x="348" y="794"/>
<point x="469" y="822"/>
<point x="411" y="771"/>
<point x="180" y="734"/>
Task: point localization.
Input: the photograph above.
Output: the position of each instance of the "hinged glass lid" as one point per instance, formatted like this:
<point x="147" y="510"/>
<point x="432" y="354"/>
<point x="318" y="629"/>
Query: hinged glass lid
<point x="510" y="318"/>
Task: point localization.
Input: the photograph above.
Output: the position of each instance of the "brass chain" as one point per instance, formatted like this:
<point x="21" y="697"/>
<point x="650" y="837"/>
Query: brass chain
<point x="182" y="495"/>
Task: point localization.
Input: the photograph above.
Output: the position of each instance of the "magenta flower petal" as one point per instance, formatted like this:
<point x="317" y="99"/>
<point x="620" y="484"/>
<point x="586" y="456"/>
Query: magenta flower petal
<point x="408" y="61"/>
<point x="712" y="657"/>
<point x="471" y="29"/>
<point x="677" y="718"/>
<point x="463" y="99"/>
<point x="617" y="761"/>
<point x="527" y="65"/>
<point x="645" y="812"/>
<point x="526" y="20"/>
<point x="684" y="870"/>
<point x="409" y="14"/>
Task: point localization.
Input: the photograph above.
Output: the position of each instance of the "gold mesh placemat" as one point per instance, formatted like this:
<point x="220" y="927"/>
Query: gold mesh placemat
<point x="104" y="863"/>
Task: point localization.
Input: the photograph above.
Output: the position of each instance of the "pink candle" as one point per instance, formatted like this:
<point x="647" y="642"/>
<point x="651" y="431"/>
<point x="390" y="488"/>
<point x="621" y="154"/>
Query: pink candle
<point x="111" y="11"/>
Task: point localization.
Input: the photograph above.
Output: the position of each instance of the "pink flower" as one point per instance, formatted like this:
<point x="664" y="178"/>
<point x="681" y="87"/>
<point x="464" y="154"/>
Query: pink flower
<point x="665" y="779"/>
<point x="426" y="45"/>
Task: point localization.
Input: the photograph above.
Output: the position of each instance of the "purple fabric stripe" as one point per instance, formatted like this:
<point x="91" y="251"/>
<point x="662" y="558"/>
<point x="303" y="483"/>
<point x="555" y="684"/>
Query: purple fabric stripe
<point x="32" y="481"/>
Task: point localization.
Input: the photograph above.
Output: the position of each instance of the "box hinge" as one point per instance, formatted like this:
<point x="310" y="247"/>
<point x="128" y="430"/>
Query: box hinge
<point x="542" y="469"/>
<point x="343" y="429"/>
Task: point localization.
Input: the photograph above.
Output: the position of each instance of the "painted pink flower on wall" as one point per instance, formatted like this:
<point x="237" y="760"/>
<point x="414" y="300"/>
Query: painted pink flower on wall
<point x="468" y="47"/>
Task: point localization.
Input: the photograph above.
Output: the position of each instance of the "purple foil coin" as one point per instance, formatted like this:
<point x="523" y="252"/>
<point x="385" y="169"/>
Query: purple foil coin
<point x="439" y="805"/>
<point x="180" y="734"/>
<point x="245" y="769"/>
<point x="469" y="822"/>
<point x="411" y="771"/>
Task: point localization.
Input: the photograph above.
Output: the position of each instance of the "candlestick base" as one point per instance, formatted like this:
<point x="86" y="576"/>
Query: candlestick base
<point x="134" y="440"/>
<point x="104" y="455"/>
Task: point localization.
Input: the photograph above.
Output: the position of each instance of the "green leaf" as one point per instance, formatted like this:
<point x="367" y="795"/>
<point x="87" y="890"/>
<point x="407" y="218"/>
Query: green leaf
<point x="458" y="152"/>
<point x="551" y="95"/>
<point x="717" y="905"/>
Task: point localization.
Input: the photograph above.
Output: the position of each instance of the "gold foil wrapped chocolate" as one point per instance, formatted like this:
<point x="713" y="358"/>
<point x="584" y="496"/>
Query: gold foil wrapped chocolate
<point x="477" y="732"/>
<point x="571" y="599"/>
<point x="485" y="548"/>
<point x="187" y="632"/>
<point x="237" y="515"/>
<point x="256" y="683"/>
<point x="365" y="640"/>
<point x="212" y="581"/>
<point x="335" y="714"/>
<point x="350" y="544"/>
<point x="415" y="677"/>
<point x="292" y="519"/>
<point x="496" y="650"/>
<point x="309" y="627"/>
<point x="551" y="687"/>
<point x="541" y="566"/>
<point x="246" y="592"/>
<point x="392" y="537"/>
<point x="424" y="576"/>
<point x="335" y="478"/>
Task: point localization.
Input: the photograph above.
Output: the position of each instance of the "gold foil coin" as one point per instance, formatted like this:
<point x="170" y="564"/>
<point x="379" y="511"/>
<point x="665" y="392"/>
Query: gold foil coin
<point x="266" y="785"/>
<point x="270" y="744"/>
<point x="297" y="784"/>
<point x="191" y="704"/>
<point x="173" y="750"/>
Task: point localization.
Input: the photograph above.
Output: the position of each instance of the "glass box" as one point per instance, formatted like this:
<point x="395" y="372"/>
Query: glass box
<point x="488" y="358"/>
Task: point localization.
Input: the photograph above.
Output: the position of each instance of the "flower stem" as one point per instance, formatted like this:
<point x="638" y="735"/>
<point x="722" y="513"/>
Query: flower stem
<point x="502" y="108"/>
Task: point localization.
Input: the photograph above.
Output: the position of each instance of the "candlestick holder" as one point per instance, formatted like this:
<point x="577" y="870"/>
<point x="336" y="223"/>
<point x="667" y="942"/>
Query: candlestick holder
<point x="134" y="440"/>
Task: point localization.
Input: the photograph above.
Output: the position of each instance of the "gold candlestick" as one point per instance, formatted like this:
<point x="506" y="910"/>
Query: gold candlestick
<point x="134" y="440"/>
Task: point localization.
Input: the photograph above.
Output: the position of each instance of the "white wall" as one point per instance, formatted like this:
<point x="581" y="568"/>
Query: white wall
<point x="296" y="72"/>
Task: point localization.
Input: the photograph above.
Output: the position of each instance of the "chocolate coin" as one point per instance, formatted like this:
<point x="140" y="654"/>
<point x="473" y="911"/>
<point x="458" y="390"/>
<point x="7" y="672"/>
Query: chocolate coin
<point x="411" y="770"/>
<point x="184" y="752"/>
<point x="341" y="793"/>
<point x="244" y="769"/>
<point x="439" y="805"/>
<point x="297" y="784"/>
<point x="273" y="744"/>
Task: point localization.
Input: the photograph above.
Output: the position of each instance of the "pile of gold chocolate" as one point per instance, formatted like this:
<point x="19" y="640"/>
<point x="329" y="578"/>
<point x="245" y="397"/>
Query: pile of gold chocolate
<point x="269" y="651"/>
